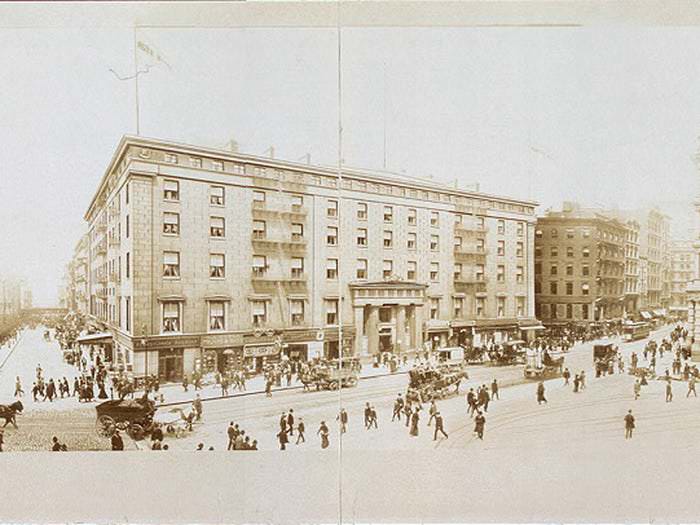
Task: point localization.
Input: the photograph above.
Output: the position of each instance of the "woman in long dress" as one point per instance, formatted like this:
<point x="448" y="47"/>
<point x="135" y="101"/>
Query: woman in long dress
<point x="414" y="423"/>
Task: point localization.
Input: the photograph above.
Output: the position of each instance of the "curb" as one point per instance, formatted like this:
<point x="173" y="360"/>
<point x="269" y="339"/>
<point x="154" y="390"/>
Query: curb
<point x="258" y="392"/>
<point x="12" y="350"/>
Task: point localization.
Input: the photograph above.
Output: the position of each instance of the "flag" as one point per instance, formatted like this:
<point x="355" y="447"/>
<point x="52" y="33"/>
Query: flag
<point x="147" y="54"/>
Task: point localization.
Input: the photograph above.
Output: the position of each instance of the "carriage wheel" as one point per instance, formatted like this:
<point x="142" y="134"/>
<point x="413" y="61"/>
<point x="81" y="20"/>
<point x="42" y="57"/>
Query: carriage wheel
<point x="136" y="432"/>
<point x="105" y="426"/>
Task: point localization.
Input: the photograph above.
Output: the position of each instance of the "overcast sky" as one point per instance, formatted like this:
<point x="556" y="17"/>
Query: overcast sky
<point x="603" y="115"/>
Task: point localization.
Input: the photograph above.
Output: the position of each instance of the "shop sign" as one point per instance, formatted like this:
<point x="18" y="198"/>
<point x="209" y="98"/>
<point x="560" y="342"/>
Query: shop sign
<point x="260" y="350"/>
<point x="173" y="342"/>
<point x="222" y="340"/>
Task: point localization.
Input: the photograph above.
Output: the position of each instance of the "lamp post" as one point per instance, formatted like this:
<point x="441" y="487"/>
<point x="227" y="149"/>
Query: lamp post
<point x="145" y="351"/>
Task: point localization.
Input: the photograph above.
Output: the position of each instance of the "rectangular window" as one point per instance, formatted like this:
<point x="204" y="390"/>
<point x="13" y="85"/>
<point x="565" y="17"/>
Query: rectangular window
<point x="362" y="211"/>
<point x="259" y="199"/>
<point x="520" y="306"/>
<point x="458" y="271"/>
<point x="480" y="245"/>
<point x="331" y="268"/>
<point x="388" y="213"/>
<point x="217" y="268"/>
<point x="411" y="241"/>
<point x="216" y="195"/>
<point x="171" y="317"/>
<point x="297" y="267"/>
<point x="434" y="271"/>
<point x="171" y="190"/>
<point x="458" y="307"/>
<point x="411" y="270"/>
<point x="584" y="311"/>
<point x="434" y="243"/>
<point x="171" y="223"/>
<point x="434" y="219"/>
<point x="538" y="287"/>
<point x="217" y="319"/>
<point x="569" y="311"/>
<point x="388" y="239"/>
<point x="520" y="274"/>
<point x="297" y="231"/>
<point x="217" y="227"/>
<point x="569" y="251"/>
<point x="538" y="268"/>
<point x="127" y="226"/>
<point x="553" y="270"/>
<point x="412" y="216"/>
<point x="458" y="243"/>
<point x="584" y="289"/>
<point x="569" y="270"/>
<point x="296" y="311"/>
<point x="585" y="233"/>
<point x="538" y="251"/>
<point x="519" y="249"/>
<point x="501" y="307"/>
<point x="569" y="233"/>
<point x="171" y="158"/>
<point x="554" y="233"/>
<point x="480" y="306"/>
<point x="128" y="269"/>
<point x="331" y="307"/>
<point x="479" y="272"/>
<point x="171" y="264"/>
<point x="569" y="288"/>
<point x="332" y="208"/>
<point x="297" y="202"/>
<point x="521" y="229"/>
<point x="501" y="248"/>
<point x="434" y="307"/>
<point x="388" y="268"/>
<point x="459" y="218"/>
<point x="259" y="312"/>
<point x="332" y="236"/>
<point x="361" y="272"/>
<point x="553" y="288"/>
<point x="501" y="227"/>
<point x="259" y="265"/>
<point x="126" y="194"/>
<point x="481" y="223"/>
<point x="501" y="273"/>
<point x="586" y="252"/>
<point x="362" y="236"/>
<point x="259" y="230"/>
<point x="554" y="251"/>
<point x="217" y="165"/>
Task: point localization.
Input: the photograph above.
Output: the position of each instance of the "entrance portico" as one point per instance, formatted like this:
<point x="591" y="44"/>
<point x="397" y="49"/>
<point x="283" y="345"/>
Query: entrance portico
<point x="388" y="316"/>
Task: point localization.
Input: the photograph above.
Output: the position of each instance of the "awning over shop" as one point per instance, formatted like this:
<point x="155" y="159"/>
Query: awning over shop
<point x="530" y="324"/>
<point x="678" y="308"/>
<point x="92" y="339"/>
<point x="661" y="312"/>
<point x="645" y="314"/>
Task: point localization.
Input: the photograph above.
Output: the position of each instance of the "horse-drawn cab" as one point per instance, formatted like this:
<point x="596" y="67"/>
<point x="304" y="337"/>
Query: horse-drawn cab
<point x="425" y="384"/>
<point x="331" y="375"/>
<point x="509" y="353"/>
<point x="135" y="416"/>
<point x="541" y="365"/>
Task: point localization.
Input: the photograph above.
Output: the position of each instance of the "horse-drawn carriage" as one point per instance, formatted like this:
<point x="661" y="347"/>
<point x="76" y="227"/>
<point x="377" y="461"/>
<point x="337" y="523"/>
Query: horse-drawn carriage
<point x="508" y="353"/>
<point x="331" y="375"/>
<point x="545" y="368"/>
<point x="134" y="416"/>
<point x="426" y="384"/>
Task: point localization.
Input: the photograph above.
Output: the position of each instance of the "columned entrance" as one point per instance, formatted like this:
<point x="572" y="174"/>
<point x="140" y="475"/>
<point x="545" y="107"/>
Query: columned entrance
<point x="388" y="316"/>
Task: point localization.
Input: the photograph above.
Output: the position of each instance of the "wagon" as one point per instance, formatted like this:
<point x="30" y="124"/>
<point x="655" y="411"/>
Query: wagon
<point x="425" y="385"/>
<point x="135" y="416"/>
<point x="548" y="369"/>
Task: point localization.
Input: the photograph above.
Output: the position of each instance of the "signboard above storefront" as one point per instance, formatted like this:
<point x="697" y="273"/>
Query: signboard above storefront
<point x="260" y="350"/>
<point x="222" y="340"/>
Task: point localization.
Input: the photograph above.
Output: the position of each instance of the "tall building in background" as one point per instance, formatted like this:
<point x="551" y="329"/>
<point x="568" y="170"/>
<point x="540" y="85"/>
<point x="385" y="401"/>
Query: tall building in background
<point x="14" y="293"/>
<point x="654" y="242"/>
<point x="580" y="263"/>
<point x="76" y="282"/>
<point x="682" y="256"/>
<point x="197" y="257"/>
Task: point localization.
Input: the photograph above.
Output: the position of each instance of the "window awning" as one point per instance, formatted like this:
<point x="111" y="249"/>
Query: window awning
<point x="660" y="312"/>
<point x="645" y="314"/>
<point x="100" y="337"/>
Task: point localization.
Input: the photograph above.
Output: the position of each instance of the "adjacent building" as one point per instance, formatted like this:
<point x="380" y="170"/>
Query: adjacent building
<point x="197" y="258"/>
<point x="681" y="256"/>
<point x="75" y="289"/>
<point x="580" y="266"/>
<point x="654" y="243"/>
<point x="14" y="295"/>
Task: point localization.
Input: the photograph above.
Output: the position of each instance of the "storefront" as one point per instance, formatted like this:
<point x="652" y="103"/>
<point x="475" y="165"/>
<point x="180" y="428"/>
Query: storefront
<point x="256" y="356"/>
<point x="496" y="331"/>
<point x="462" y="333"/>
<point x="220" y="353"/>
<point x="437" y="333"/>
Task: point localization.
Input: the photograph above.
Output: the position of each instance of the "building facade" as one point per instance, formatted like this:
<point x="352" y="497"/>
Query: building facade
<point x="654" y="243"/>
<point x="198" y="258"/>
<point x="682" y="256"/>
<point x="632" y="271"/>
<point x="579" y="266"/>
<point x="13" y="297"/>
<point x="75" y="289"/>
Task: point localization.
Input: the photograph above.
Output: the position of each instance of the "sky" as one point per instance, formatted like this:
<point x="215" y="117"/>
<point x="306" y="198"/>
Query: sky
<point x="602" y="115"/>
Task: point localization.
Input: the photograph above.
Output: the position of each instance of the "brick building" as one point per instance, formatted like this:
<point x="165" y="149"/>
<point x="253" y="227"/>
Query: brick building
<point x="682" y="256"/>
<point x="200" y="257"/>
<point x="579" y="266"/>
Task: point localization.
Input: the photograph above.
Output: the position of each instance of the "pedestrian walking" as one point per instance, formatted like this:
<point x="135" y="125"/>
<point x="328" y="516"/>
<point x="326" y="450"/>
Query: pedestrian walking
<point x="342" y="417"/>
<point x="540" y="394"/>
<point x="283" y="422"/>
<point x="566" y="375"/>
<point x="669" y="391"/>
<point x="268" y="387"/>
<point x="432" y="411"/>
<point x="471" y="402"/>
<point x="18" y="388"/>
<point x="494" y="390"/>
<point x="197" y="405"/>
<point x="484" y="398"/>
<point x="439" y="426"/>
<point x="231" y="431"/>
<point x="323" y="432"/>
<point x="637" y="389"/>
<point x="629" y="424"/>
<point x="290" y="422"/>
<point x="283" y="439"/>
<point x="398" y="406"/>
<point x="407" y="411"/>
<point x="300" y="431"/>
<point x="582" y="380"/>
<point x="577" y="383"/>
<point x="373" y="417"/>
<point x="479" y="423"/>
<point x="414" y="423"/>
<point x="691" y="387"/>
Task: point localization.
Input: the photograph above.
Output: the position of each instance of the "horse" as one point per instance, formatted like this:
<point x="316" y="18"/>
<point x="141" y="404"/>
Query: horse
<point x="8" y="412"/>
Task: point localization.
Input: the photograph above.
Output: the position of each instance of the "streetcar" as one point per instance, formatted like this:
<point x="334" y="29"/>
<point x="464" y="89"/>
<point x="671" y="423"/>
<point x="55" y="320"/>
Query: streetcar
<point x="635" y="331"/>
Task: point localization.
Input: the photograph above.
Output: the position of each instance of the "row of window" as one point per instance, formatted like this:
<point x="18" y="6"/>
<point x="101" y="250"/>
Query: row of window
<point x="554" y="269"/>
<point x="569" y="288"/>
<point x="570" y="233"/>
<point x="547" y="311"/>
<point x="554" y="251"/>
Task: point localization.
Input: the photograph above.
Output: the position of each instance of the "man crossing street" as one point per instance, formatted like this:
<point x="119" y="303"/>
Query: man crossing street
<point x="438" y="426"/>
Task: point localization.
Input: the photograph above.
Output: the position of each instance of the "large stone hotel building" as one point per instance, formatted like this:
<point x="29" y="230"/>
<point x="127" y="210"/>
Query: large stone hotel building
<point x="201" y="258"/>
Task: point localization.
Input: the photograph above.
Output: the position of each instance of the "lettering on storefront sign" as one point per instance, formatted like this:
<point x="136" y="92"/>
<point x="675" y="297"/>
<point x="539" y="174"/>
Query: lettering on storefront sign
<point x="220" y="341"/>
<point x="173" y="342"/>
<point x="260" y="351"/>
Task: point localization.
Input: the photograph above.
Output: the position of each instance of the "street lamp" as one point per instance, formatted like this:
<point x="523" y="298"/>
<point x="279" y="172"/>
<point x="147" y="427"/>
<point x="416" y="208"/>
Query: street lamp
<point x="145" y="351"/>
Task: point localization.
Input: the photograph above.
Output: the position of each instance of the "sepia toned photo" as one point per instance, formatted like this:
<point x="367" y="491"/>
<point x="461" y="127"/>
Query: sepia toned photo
<point x="349" y="262"/>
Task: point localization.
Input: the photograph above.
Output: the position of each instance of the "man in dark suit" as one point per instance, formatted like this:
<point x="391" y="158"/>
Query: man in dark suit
<point x="117" y="442"/>
<point x="438" y="426"/>
<point x="290" y="422"/>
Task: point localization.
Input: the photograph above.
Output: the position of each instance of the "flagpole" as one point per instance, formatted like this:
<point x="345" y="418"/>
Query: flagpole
<point x="136" y="84"/>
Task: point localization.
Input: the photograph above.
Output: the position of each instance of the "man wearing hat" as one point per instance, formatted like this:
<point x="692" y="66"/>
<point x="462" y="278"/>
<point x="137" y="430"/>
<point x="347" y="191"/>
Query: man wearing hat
<point x="117" y="442"/>
<point x="438" y="426"/>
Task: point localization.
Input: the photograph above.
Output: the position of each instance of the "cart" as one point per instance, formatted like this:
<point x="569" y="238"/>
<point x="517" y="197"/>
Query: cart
<point x="135" y="416"/>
